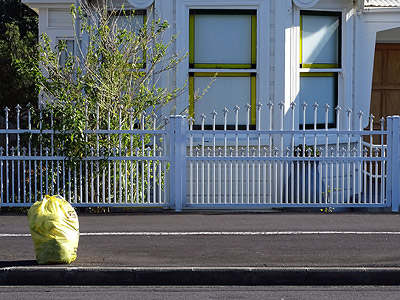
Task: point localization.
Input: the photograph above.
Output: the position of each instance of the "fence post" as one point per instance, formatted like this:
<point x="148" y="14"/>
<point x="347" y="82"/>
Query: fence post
<point x="178" y="161"/>
<point x="393" y="182"/>
<point x="389" y="174"/>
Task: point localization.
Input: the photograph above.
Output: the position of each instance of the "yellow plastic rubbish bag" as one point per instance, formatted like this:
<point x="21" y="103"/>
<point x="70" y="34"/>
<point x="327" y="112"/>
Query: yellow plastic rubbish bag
<point x="54" y="228"/>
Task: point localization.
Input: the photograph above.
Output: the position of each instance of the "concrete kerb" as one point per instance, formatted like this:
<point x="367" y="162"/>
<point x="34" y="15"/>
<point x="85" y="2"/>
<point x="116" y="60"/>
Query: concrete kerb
<point x="51" y="275"/>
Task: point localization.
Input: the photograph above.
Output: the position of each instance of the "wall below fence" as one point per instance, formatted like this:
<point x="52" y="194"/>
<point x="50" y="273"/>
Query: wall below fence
<point x="181" y="167"/>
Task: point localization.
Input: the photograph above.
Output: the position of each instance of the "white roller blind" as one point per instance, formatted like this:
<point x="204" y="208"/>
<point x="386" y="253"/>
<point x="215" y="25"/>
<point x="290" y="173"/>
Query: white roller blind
<point x="223" y="39"/>
<point x="320" y="39"/>
<point x="319" y="89"/>
<point x="59" y="18"/>
<point x="224" y="92"/>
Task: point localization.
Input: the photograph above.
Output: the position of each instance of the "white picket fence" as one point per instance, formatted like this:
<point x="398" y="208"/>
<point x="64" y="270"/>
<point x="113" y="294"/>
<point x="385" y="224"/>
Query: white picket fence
<point x="267" y="168"/>
<point x="120" y="176"/>
<point x="187" y="164"/>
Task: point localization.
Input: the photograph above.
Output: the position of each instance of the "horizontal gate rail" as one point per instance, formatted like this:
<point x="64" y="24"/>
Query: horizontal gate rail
<point x="287" y="159"/>
<point x="90" y="158"/>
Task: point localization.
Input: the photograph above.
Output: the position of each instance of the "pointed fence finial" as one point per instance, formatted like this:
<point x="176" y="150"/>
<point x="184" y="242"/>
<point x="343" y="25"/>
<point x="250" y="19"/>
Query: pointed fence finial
<point x="297" y="150"/>
<point x="354" y="152"/>
<point x="360" y="115"/>
<point x="203" y="117"/>
<point x="6" y="111"/>
<point x="371" y="118"/>
<point x="287" y="151"/>
<point x="349" y="111"/>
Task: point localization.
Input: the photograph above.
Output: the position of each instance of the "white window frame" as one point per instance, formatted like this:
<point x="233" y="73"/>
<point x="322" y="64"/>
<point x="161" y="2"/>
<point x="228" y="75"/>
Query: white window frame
<point x="263" y="46"/>
<point x="230" y="70"/>
<point x="338" y="71"/>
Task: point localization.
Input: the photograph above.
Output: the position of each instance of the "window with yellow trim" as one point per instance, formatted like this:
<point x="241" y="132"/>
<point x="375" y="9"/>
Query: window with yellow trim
<point x="320" y="63"/>
<point x="222" y="44"/>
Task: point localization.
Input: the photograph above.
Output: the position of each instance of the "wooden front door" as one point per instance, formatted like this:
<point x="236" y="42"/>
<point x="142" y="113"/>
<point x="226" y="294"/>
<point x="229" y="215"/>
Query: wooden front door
<point x="385" y="97"/>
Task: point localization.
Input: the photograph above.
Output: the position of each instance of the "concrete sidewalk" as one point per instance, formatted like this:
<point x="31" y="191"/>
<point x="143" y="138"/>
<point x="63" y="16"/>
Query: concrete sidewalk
<point x="213" y="248"/>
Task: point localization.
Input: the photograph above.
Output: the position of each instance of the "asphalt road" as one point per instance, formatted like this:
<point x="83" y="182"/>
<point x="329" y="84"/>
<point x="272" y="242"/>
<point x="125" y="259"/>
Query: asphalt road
<point x="205" y="292"/>
<point x="219" y="240"/>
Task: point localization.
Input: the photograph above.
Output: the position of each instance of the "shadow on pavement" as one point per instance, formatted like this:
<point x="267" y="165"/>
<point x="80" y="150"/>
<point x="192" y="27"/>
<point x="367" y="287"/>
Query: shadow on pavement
<point x="18" y="263"/>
